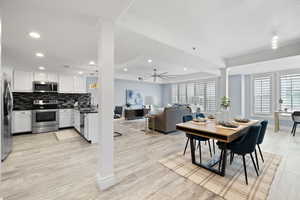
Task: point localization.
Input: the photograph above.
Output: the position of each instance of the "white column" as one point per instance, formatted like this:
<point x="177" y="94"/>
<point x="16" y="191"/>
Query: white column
<point x="0" y="92"/>
<point x="105" y="172"/>
<point x="224" y="82"/>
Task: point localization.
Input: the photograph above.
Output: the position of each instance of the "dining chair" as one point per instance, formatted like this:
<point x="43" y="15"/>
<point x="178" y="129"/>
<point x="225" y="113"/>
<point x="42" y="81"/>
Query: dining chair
<point x="187" y="118"/>
<point x="260" y="140"/>
<point x="296" y="120"/>
<point x="246" y="146"/>
<point x="201" y="115"/>
<point x="118" y="112"/>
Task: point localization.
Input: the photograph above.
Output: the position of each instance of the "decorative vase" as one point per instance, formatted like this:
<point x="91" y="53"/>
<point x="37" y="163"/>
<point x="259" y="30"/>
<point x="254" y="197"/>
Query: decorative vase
<point x="225" y="114"/>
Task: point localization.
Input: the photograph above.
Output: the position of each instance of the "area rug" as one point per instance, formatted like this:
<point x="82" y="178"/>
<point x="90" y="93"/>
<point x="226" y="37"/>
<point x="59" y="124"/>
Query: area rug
<point x="66" y="134"/>
<point x="233" y="185"/>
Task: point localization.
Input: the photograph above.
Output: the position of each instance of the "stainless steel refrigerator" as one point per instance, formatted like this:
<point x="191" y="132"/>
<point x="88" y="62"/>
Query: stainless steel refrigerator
<point x="6" y="118"/>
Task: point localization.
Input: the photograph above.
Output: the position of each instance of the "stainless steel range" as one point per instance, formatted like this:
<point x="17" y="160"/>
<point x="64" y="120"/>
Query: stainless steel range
<point x="45" y="116"/>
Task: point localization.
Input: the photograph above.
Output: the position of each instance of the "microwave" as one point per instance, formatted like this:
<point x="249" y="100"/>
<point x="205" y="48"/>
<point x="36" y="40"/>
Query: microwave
<point x="41" y="86"/>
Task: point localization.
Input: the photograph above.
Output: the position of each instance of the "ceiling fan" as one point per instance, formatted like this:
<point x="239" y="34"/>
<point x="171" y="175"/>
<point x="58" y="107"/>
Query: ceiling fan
<point x="155" y="75"/>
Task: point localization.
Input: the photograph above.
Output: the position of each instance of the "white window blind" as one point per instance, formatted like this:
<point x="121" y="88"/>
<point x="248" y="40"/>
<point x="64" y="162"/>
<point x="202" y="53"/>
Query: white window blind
<point x="290" y="91"/>
<point x="190" y="92"/>
<point x="263" y="95"/>
<point x="200" y="95"/>
<point x="182" y="93"/>
<point x="174" y="93"/>
<point x="211" y="96"/>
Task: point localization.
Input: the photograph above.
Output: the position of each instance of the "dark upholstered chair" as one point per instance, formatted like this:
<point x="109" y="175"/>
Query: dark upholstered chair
<point x="264" y="125"/>
<point x="187" y="118"/>
<point x="245" y="146"/>
<point x="118" y="112"/>
<point x="200" y="115"/>
<point x="296" y="120"/>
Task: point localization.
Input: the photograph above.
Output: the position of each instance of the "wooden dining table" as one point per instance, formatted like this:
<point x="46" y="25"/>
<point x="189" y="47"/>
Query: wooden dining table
<point x="212" y="130"/>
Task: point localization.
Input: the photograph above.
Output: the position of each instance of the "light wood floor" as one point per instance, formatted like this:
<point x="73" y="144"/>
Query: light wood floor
<point x="42" y="168"/>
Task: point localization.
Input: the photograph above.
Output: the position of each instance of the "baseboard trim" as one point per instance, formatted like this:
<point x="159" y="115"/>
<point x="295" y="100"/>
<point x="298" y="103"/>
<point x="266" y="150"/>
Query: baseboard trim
<point x="105" y="182"/>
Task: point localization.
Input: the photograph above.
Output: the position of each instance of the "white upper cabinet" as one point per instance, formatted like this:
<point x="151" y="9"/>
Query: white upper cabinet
<point x="66" y="84"/>
<point x="22" y="81"/>
<point x="40" y="76"/>
<point x="44" y="76"/>
<point x="79" y="84"/>
<point x="52" y="77"/>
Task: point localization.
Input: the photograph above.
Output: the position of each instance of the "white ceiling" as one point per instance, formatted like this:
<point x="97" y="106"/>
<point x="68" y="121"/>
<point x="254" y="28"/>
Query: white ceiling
<point x="164" y="31"/>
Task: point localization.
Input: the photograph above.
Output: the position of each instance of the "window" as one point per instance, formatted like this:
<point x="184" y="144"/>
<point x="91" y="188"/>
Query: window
<point x="174" y="93"/>
<point x="190" y="92"/>
<point x="263" y="95"/>
<point x="290" y="92"/>
<point x="200" y="93"/>
<point x="182" y="93"/>
<point x="211" y="96"/>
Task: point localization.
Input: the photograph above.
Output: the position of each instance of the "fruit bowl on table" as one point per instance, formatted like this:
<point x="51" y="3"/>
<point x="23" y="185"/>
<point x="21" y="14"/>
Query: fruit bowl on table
<point x="241" y="120"/>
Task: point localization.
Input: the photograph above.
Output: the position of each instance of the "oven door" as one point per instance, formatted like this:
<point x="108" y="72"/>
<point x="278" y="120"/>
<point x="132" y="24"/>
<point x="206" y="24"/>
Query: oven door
<point x="42" y="87"/>
<point x="45" y="117"/>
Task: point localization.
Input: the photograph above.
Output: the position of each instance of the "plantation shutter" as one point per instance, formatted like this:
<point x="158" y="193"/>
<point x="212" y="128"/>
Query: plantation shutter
<point x="174" y="93"/>
<point x="211" y="96"/>
<point x="200" y="95"/>
<point x="263" y="95"/>
<point x="182" y="93"/>
<point x="290" y="92"/>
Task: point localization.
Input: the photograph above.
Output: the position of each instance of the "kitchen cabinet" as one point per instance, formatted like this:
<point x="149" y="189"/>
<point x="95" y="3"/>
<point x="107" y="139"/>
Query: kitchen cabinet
<point x="40" y="76"/>
<point x="66" y="118"/>
<point x="22" y="81"/>
<point x="77" y="120"/>
<point x="45" y="76"/>
<point x="52" y="77"/>
<point x="66" y="84"/>
<point x="21" y="121"/>
<point x="79" y="84"/>
<point x="91" y="126"/>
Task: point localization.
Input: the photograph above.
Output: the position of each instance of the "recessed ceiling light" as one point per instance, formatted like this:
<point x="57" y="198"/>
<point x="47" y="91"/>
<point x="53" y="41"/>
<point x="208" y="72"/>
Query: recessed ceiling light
<point x="92" y="62"/>
<point x="40" y="55"/>
<point x="41" y="68"/>
<point x="149" y="61"/>
<point x="184" y="69"/>
<point x="34" y="35"/>
<point x="80" y="72"/>
<point x="125" y="69"/>
<point x="274" y="42"/>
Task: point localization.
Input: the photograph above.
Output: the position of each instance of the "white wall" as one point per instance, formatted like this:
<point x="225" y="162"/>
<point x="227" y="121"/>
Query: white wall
<point x="147" y="89"/>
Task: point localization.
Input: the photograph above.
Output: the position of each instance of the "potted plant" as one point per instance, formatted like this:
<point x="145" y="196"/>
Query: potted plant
<point x="225" y="103"/>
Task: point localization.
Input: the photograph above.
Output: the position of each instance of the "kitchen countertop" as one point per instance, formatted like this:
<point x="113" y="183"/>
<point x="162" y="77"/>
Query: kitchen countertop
<point x="82" y="110"/>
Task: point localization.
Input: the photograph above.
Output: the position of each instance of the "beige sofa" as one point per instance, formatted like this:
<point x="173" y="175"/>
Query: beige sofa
<point x="166" y="120"/>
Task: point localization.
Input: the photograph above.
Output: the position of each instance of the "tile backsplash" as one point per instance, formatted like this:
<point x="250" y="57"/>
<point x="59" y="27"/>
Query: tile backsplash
<point x="24" y="100"/>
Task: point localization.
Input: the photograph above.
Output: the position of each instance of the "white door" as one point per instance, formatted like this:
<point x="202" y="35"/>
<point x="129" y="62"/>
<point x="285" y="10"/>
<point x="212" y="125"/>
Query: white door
<point x="22" y="81"/>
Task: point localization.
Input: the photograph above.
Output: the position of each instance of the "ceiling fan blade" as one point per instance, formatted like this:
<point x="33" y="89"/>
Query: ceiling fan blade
<point x="170" y="76"/>
<point x="163" y="73"/>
